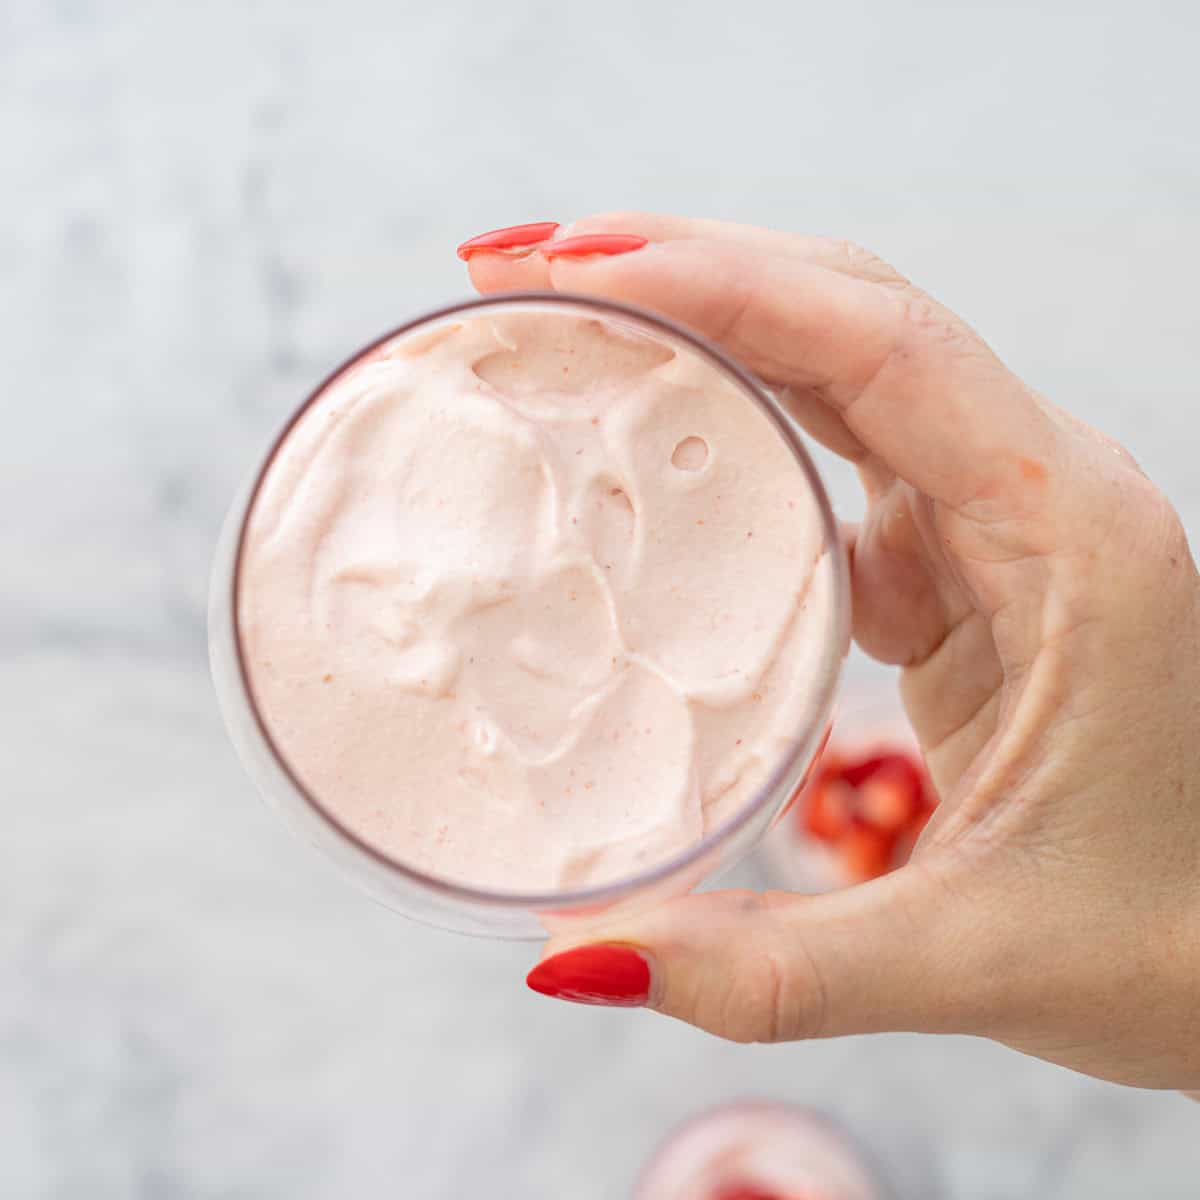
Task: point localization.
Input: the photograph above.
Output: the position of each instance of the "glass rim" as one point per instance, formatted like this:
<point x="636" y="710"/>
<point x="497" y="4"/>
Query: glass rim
<point x="594" y="894"/>
<point x="828" y="1124"/>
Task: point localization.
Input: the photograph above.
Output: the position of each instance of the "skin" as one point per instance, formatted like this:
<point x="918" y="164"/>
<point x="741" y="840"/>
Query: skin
<point x="1038" y="592"/>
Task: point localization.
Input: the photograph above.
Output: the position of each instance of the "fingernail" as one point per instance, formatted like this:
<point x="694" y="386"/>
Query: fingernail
<point x="592" y="243"/>
<point x="512" y="237"/>
<point x="613" y="975"/>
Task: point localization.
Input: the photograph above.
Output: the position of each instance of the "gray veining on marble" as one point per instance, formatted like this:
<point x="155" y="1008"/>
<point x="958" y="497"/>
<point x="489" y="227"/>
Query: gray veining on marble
<point x="203" y="208"/>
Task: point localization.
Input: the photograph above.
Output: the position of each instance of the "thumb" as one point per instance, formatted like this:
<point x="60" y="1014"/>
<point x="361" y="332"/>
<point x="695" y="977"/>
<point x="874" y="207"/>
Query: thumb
<point x="768" y="967"/>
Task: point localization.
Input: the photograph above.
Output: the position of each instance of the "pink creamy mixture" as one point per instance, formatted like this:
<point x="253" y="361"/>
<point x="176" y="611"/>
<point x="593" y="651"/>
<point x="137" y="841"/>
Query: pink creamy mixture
<point x="529" y="601"/>
<point x="757" y="1149"/>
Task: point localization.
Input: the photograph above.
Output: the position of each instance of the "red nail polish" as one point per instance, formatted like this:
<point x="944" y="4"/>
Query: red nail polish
<point x="513" y="237"/>
<point x="613" y="975"/>
<point x="592" y="243"/>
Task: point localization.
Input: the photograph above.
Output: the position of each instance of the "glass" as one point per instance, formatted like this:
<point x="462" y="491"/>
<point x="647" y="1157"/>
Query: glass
<point x="451" y="904"/>
<point x="756" y="1150"/>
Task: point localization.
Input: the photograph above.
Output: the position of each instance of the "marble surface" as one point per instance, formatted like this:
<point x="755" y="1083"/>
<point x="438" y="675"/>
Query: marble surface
<point x="203" y="208"/>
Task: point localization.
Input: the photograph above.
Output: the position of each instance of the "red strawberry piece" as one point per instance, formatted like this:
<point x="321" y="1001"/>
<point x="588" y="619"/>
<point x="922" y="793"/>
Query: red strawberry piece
<point x="828" y="807"/>
<point x="890" y="797"/>
<point x="870" y="810"/>
<point x="860" y="770"/>
<point x="866" y="852"/>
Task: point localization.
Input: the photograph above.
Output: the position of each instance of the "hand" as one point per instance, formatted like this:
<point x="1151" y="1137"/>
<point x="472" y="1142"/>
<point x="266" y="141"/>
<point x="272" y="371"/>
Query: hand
<point x="1040" y="596"/>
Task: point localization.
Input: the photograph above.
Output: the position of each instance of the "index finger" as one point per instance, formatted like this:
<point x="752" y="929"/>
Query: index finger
<point x="915" y="385"/>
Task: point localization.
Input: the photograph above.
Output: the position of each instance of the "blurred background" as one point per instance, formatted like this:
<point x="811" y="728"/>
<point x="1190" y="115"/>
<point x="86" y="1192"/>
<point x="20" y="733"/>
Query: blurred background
<point x="204" y="208"/>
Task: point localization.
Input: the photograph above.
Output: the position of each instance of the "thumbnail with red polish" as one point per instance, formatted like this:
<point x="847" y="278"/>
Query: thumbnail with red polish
<point x="613" y="975"/>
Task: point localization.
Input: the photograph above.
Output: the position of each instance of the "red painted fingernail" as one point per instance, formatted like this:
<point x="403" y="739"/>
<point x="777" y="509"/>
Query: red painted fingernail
<point x="592" y="243"/>
<point x="513" y="237"/>
<point x="594" y="975"/>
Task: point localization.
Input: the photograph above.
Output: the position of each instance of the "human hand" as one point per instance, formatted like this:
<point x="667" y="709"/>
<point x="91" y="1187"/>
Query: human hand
<point x="1040" y="597"/>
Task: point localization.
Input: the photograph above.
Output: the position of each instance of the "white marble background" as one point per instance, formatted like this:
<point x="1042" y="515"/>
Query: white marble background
<point x="202" y="208"/>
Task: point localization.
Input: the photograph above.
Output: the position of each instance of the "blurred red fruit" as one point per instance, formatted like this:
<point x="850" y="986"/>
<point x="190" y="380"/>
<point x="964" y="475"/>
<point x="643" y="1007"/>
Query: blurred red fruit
<point x="890" y="797"/>
<point x="866" y="852"/>
<point x="828" y="808"/>
<point x="870" y="810"/>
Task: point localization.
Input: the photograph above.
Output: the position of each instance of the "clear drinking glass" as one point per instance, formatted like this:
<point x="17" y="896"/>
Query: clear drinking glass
<point x="759" y="1150"/>
<point x="448" y="903"/>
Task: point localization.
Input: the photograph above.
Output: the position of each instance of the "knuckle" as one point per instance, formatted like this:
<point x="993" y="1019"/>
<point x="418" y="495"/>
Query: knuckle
<point x="777" y="1003"/>
<point x="1169" y="541"/>
<point x="748" y="1004"/>
<point x="1149" y="524"/>
<point x="924" y="322"/>
<point x="927" y="336"/>
<point x="771" y="996"/>
<point x="1131" y="544"/>
<point x="1119" y="452"/>
<point x="768" y="989"/>
<point x="858" y="260"/>
<point x="851" y="252"/>
<point x="614" y="220"/>
<point x="781" y="1019"/>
